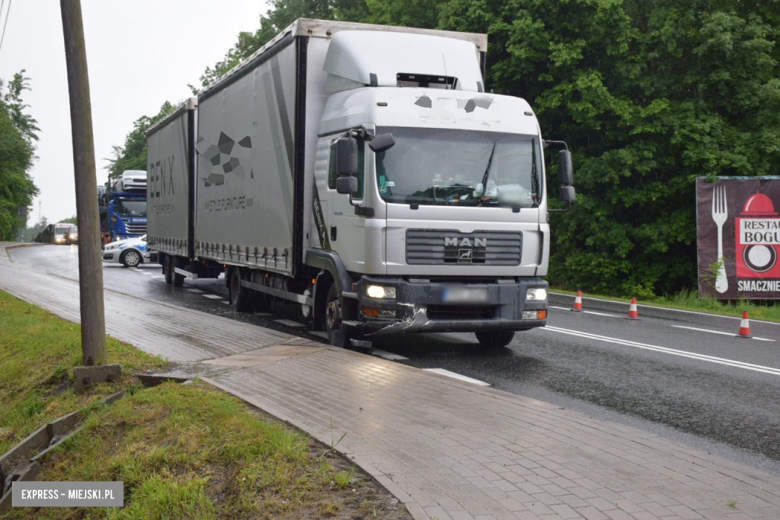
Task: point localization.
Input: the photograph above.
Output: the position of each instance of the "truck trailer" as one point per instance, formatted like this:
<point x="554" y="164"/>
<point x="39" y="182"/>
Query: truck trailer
<point x="364" y="173"/>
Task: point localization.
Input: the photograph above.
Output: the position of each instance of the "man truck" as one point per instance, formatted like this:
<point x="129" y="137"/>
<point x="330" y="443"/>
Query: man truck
<point x="364" y="173"/>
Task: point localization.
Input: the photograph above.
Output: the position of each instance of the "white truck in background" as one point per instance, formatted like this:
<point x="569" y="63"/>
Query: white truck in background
<point x="362" y="172"/>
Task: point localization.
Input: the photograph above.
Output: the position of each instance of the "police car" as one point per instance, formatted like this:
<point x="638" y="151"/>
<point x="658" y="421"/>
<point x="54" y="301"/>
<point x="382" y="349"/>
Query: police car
<point x="130" y="252"/>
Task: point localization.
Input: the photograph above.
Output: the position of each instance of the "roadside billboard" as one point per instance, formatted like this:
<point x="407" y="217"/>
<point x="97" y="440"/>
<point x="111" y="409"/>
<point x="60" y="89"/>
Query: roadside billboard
<point x="738" y="225"/>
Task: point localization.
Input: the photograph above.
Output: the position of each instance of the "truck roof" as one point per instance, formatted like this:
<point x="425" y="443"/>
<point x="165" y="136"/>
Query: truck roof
<point x="318" y="29"/>
<point x="327" y="28"/>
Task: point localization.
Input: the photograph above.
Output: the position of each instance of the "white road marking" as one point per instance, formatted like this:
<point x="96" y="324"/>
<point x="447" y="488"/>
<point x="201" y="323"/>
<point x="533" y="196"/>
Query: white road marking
<point x="212" y="296"/>
<point x="290" y="323"/>
<point x="320" y="333"/>
<point x="378" y="352"/>
<point x="226" y="303"/>
<point x="586" y="312"/>
<point x="158" y="277"/>
<point x="456" y="376"/>
<point x="665" y="350"/>
<point x="263" y="314"/>
<point x="717" y="332"/>
<point x="668" y="309"/>
<point x="195" y="290"/>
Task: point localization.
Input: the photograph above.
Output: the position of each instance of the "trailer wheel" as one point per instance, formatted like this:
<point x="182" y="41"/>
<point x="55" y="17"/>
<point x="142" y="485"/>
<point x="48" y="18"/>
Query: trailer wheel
<point x="338" y="333"/>
<point x="167" y="270"/>
<point x="495" y="339"/>
<point x="240" y="297"/>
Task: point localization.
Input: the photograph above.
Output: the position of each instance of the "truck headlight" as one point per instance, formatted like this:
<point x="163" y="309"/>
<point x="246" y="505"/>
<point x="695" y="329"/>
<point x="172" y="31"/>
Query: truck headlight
<point x="380" y="292"/>
<point x="536" y="295"/>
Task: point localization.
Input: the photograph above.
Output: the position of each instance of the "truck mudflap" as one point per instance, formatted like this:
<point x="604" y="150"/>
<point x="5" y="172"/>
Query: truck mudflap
<point x="428" y="306"/>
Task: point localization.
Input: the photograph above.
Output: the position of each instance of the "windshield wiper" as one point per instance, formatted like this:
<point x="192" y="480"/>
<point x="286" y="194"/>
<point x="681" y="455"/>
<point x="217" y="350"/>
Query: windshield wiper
<point x="487" y="172"/>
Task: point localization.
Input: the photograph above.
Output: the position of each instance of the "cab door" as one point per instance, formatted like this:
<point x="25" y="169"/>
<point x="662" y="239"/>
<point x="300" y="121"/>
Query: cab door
<point x="345" y="227"/>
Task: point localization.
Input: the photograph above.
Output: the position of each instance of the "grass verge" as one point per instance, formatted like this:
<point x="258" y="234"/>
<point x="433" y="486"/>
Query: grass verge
<point x="690" y="301"/>
<point x="182" y="451"/>
<point x="38" y="351"/>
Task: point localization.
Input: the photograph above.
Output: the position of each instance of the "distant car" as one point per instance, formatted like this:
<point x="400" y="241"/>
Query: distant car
<point x="73" y="236"/>
<point x="60" y="233"/>
<point x="130" y="252"/>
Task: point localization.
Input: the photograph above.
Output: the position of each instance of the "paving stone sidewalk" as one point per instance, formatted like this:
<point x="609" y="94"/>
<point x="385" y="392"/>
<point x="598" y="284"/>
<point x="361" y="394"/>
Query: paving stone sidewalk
<point x="447" y="449"/>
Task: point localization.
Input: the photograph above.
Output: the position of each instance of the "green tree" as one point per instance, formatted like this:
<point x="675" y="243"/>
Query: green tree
<point x="31" y="232"/>
<point x="649" y="95"/>
<point x="18" y="134"/>
<point x="132" y="156"/>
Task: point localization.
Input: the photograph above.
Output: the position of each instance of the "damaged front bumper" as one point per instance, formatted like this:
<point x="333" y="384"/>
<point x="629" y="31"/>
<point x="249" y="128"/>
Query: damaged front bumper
<point x="428" y="306"/>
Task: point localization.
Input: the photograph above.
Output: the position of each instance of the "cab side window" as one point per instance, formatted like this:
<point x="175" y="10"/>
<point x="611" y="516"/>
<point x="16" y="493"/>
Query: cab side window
<point x="332" y="176"/>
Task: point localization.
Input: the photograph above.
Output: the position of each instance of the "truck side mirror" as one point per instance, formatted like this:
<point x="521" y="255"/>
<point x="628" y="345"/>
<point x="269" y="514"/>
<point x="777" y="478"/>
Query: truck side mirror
<point x="382" y="142"/>
<point x="565" y="168"/>
<point x="567" y="194"/>
<point x="346" y="185"/>
<point x="346" y="156"/>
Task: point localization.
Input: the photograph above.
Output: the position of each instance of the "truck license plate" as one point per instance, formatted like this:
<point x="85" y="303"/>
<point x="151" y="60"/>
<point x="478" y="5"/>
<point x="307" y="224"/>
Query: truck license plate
<point x="464" y="295"/>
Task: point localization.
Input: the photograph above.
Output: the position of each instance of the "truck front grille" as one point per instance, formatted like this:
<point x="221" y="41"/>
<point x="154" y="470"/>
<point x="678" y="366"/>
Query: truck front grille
<point x="136" y="229"/>
<point x="444" y="247"/>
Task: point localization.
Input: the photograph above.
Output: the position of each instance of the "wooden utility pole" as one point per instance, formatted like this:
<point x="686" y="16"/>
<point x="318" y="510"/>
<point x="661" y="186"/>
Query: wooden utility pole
<point x="93" y="321"/>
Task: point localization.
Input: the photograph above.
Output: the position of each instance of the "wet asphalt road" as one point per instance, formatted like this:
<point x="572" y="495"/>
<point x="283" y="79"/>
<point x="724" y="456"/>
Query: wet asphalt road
<point x="701" y="387"/>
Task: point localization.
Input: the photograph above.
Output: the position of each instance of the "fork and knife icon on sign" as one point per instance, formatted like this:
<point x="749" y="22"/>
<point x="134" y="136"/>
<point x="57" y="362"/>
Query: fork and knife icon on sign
<point x="720" y="213"/>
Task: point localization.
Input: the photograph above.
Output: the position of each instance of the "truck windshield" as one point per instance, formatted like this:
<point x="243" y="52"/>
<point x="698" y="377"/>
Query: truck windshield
<point x="459" y="167"/>
<point x="61" y="230"/>
<point x="132" y="208"/>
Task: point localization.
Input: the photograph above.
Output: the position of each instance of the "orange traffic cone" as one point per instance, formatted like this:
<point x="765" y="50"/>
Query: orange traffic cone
<point x="744" y="326"/>
<point x="633" y="314"/>
<point x="577" y="302"/>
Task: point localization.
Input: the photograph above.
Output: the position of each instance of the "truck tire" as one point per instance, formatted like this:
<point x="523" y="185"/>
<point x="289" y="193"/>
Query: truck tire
<point x="131" y="258"/>
<point x="338" y="333"/>
<point x="495" y="339"/>
<point x="240" y="297"/>
<point x="167" y="271"/>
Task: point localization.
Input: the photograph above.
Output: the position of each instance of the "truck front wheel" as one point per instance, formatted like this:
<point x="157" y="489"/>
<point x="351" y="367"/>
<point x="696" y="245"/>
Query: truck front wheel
<point x="338" y="333"/>
<point x="240" y="297"/>
<point x="495" y="339"/>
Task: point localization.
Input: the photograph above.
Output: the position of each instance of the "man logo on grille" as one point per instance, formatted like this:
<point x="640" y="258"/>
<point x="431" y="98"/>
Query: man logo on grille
<point x="478" y="242"/>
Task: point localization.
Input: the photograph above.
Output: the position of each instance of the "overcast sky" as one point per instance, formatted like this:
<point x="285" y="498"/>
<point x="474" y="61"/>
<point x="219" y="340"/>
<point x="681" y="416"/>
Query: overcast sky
<point x="140" y="53"/>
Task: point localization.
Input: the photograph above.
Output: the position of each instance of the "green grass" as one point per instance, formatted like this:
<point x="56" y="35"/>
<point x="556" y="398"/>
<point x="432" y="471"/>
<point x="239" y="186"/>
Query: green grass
<point x="182" y="451"/>
<point x="37" y="354"/>
<point x="192" y="451"/>
<point x="690" y="301"/>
